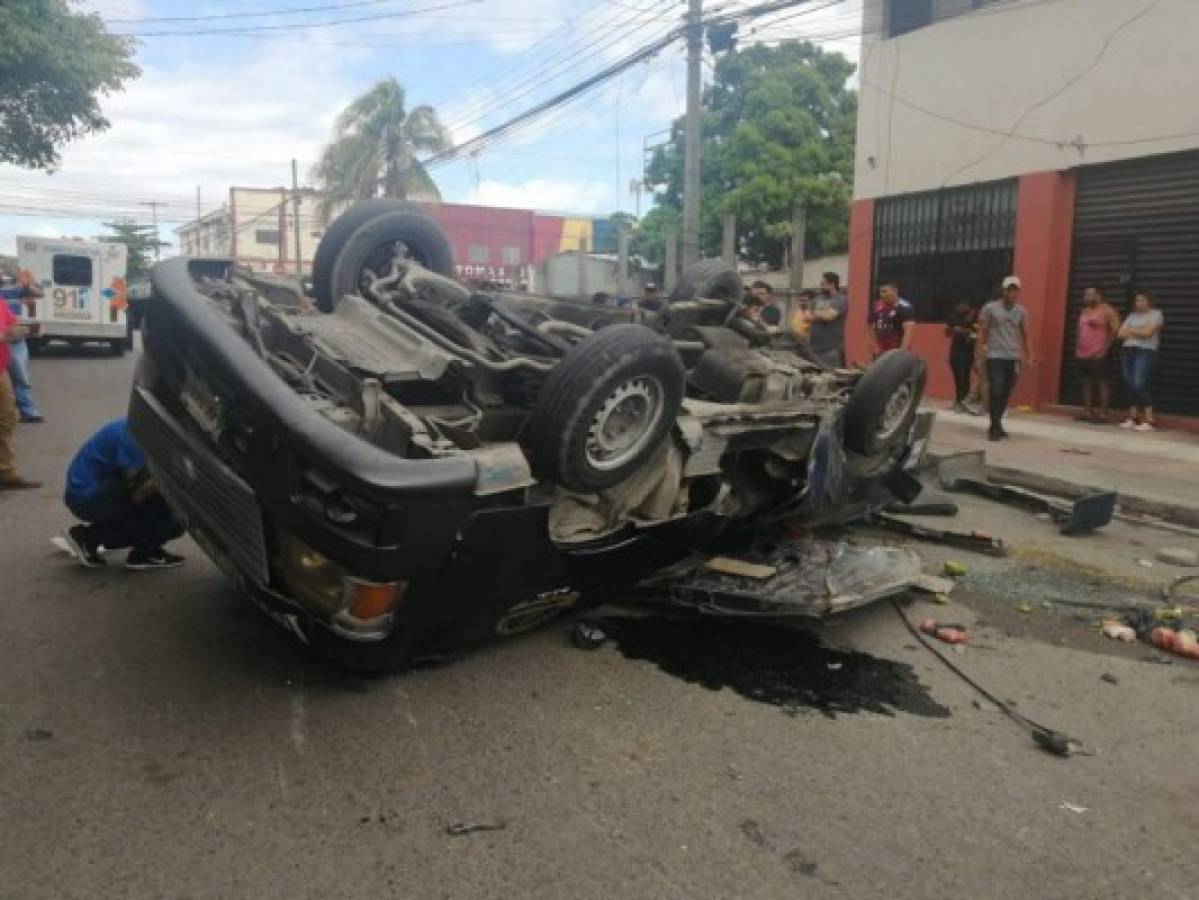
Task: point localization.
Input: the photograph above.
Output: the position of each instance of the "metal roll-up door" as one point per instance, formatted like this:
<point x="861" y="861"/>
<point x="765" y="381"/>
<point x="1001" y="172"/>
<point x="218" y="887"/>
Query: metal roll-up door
<point x="1136" y="226"/>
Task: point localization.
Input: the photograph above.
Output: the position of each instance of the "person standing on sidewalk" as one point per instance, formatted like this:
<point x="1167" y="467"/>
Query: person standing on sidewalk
<point x="18" y="296"/>
<point x="962" y="331"/>
<point x="10" y="331"/>
<point x="890" y="323"/>
<point x="827" y="338"/>
<point x="1097" y="327"/>
<point x="1142" y="336"/>
<point x="1003" y="340"/>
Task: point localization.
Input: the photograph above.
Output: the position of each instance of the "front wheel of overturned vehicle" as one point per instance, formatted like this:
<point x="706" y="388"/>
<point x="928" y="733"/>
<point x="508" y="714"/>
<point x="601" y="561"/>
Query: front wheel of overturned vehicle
<point x="605" y="408"/>
<point x="884" y="403"/>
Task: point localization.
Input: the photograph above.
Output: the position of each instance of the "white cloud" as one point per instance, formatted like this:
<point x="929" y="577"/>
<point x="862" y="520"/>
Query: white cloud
<point x="547" y="194"/>
<point x="208" y="123"/>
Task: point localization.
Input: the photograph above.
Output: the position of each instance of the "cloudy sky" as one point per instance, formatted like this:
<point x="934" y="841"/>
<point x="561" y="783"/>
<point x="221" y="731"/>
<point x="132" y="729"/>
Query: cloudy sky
<point x="214" y="108"/>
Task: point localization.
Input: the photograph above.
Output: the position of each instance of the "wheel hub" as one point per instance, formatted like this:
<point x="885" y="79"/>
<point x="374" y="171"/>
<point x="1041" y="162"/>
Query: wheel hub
<point x="895" y="411"/>
<point x="624" y="423"/>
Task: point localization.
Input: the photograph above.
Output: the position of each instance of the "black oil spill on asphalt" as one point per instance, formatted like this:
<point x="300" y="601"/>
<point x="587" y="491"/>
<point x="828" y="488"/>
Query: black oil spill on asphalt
<point x="784" y="667"/>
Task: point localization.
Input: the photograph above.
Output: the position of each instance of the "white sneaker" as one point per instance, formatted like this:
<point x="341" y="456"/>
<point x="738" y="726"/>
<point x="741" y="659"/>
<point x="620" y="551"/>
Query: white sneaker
<point x="1128" y="424"/>
<point x="1144" y="426"/>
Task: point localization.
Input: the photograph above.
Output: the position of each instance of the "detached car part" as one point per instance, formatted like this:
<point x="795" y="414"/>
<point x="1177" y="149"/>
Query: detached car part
<point x="968" y="472"/>
<point x="409" y="467"/>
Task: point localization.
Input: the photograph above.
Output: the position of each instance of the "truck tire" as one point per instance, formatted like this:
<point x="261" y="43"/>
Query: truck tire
<point x="371" y="245"/>
<point x="884" y="403"/>
<point x="605" y="408"/>
<point x="709" y="279"/>
<point x="335" y="237"/>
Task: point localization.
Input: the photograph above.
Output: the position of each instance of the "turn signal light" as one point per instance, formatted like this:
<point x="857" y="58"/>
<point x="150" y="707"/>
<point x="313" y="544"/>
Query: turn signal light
<point x="371" y="600"/>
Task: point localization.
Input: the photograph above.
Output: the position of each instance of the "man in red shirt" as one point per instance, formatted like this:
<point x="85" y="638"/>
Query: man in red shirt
<point x="11" y="331"/>
<point x="890" y="323"/>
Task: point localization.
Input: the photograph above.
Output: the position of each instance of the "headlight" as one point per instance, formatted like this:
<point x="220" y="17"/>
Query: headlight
<point x="351" y="603"/>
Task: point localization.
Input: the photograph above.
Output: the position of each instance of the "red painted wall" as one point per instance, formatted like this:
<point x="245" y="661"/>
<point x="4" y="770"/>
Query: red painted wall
<point x="861" y="265"/>
<point x="536" y="236"/>
<point x="547" y="236"/>
<point x="1044" y="230"/>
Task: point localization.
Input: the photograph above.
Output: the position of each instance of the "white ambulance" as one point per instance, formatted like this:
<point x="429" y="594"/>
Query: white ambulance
<point x="83" y="287"/>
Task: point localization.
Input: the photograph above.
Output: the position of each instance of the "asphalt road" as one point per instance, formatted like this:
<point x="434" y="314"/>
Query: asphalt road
<point x="158" y="739"/>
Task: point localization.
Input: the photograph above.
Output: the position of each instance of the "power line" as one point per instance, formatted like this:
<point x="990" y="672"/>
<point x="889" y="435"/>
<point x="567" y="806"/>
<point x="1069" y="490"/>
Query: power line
<point x="558" y="63"/>
<point x="298" y="26"/>
<point x="280" y="11"/>
<point x="582" y="87"/>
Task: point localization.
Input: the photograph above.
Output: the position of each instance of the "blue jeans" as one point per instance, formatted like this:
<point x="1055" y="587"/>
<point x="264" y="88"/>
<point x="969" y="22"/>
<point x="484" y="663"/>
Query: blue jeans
<point x="18" y="371"/>
<point x="1137" y="365"/>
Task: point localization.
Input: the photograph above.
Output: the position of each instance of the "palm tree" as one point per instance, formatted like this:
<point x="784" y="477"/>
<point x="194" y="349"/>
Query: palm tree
<point x="374" y="153"/>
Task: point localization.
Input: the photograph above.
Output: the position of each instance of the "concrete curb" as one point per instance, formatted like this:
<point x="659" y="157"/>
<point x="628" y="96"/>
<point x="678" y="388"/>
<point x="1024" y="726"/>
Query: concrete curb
<point x="1129" y="504"/>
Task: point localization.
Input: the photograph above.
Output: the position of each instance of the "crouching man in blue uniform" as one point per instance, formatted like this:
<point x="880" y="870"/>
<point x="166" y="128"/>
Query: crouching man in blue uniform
<point x="110" y="489"/>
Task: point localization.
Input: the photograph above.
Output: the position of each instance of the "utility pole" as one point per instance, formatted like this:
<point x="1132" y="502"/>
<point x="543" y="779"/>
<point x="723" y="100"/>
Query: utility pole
<point x="728" y="242"/>
<point x="670" y="253"/>
<point x="622" y="259"/>
<point x="154" y="204"/>
<point x="691" y="132"/>
<point x="635" y="188"/>
<point x="799" y="228"/>
<point x="295" y="199"/>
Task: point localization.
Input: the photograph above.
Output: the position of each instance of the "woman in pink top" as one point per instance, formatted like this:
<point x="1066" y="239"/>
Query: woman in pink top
<point x="1097" y="327"/>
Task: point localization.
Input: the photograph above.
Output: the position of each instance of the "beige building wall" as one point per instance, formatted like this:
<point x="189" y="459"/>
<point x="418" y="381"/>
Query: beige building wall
<point x="255" y="226"/>
<point x="1073" y="82"/>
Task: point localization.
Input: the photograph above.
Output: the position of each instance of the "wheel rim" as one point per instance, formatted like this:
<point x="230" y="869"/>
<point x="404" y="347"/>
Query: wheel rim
<point x="624" y="423"/>
<point x="896" y="412"/>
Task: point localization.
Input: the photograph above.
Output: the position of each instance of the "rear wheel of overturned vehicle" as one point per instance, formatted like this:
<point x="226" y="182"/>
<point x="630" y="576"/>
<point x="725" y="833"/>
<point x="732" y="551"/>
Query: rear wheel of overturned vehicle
<point x="367" y="238"/>
<point x="335" y="237"/>
<point x="605" y="408"/>
<point x="883" y="405"/>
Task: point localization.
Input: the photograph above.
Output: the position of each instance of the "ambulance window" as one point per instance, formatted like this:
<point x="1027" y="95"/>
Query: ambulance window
<point x="72" y="271"/>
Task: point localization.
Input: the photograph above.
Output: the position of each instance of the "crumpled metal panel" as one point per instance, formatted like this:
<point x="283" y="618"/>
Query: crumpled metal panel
<point x="813" y="578"/>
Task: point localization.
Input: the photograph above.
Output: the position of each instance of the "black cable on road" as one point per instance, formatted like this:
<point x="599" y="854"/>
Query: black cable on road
<point x="1046" y="738"/>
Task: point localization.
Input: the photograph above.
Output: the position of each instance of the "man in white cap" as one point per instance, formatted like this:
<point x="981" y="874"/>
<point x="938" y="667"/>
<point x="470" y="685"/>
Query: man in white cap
<point x="1003" y="341"/>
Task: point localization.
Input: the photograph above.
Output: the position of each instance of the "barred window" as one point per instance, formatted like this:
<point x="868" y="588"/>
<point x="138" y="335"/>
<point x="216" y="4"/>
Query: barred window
<point x="946" y="247"/>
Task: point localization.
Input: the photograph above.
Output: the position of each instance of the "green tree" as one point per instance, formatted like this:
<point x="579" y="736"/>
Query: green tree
<point x="649" y="238"/>
<point x="778" y="131"/>
<point x="376" y="150"/>
<point x="54" y="64"/>
<point x="140" y="242"/>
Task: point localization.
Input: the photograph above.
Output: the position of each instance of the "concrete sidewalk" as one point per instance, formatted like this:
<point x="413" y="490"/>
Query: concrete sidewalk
<point x="1155" y="473"/>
